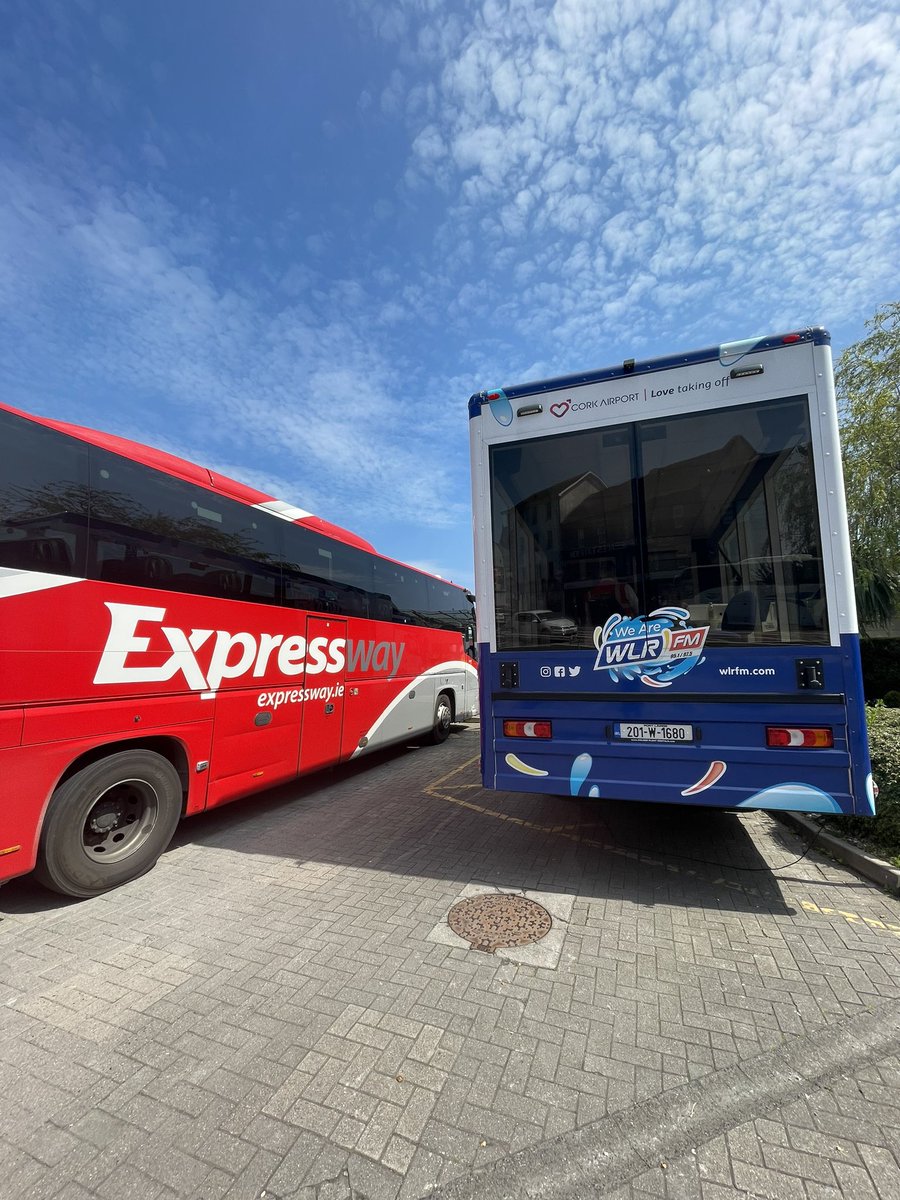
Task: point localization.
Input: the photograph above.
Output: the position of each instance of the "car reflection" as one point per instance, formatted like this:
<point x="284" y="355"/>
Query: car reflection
<point x="542" y="624"/>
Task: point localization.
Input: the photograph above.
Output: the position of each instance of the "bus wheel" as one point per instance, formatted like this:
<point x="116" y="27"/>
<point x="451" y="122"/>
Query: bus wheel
<point x="443" y="717"/>
<point x="109" y="823"/>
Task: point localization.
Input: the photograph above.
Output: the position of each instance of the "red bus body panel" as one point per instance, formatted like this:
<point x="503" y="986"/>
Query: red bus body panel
<point x="248" y="695"/>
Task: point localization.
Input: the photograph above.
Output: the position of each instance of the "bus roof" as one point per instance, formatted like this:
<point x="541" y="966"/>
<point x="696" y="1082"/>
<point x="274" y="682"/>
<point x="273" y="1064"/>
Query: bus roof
<point x="727" y="352"/>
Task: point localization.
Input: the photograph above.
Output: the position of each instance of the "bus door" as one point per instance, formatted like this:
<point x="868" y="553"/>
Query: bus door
<point x="323" y="707"/>
<point x="254" y="744"/>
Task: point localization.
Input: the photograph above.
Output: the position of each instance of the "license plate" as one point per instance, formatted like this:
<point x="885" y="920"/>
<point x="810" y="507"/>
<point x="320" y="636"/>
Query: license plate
<point x="636" y="732"/>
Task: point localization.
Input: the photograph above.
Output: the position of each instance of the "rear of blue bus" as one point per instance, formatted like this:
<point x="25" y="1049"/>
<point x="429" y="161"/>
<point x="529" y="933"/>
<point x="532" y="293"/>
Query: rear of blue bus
<point x="664" y="589"/>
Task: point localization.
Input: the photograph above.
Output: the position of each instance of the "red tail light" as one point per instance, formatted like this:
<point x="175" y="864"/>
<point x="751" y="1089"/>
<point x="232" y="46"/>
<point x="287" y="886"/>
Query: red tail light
<point x="816" y="739"/>
<point x="528" y="729"/>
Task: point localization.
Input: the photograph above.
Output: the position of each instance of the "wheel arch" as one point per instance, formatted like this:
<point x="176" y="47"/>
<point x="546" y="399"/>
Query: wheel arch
<point x="440" y="728"/>
<point x="156" y="822"/>
<point x="449" y="690"/>
<point x="166" y="747"/>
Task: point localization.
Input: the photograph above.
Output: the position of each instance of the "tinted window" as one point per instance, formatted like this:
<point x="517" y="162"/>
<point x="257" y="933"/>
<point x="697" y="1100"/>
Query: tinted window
<point x="43" y="499"/>
<point x="352" y="569"/>
<point x="150" y="529"/>
<point x="564" y="542"/>
<point x="325" y="576"/>
<point x="75" y="509"/>
<point x="402" y="592"/>
<point x="449" y="609"/>
<point x="727" y="504"/>
<point x="731" y="510"/>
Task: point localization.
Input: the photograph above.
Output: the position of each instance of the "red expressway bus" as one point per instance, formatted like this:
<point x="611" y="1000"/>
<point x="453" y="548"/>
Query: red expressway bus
<point x="171" y="640"/>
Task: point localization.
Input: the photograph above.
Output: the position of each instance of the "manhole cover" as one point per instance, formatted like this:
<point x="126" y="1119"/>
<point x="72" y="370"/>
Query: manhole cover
<point x="499" y="919"/>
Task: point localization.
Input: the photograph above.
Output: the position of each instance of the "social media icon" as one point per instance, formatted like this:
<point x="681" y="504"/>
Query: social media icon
<point x="546" y="672"/>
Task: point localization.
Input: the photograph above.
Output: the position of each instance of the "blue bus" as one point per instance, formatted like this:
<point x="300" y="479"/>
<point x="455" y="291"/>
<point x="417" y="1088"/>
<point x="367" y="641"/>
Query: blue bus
<point x="663" y="583"/>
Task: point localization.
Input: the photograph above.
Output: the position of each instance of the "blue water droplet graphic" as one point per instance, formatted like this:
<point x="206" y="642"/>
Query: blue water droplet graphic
<point x="579" y="772"/>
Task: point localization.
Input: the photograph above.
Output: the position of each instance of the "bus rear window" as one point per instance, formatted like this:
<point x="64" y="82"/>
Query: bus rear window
<point x="714" y="512"/>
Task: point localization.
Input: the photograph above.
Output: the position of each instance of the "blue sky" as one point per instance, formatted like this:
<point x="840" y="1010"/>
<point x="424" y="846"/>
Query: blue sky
<point x="288" y="239"/>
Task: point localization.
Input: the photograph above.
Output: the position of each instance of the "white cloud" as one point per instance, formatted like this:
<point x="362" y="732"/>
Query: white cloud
<point x="660" y="132"/>
<point x="232" y="378"/>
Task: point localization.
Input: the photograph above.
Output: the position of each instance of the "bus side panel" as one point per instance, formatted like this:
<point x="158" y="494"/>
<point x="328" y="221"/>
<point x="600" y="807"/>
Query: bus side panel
<point x="101" y="721"/>
<point x="255" y="745"/>
<point x="382" y="712"/>
<point x="725" y="763"/>
<point x="857" y="734"/>
<point x="486" y="671"/>
<point x="29" y="778"/>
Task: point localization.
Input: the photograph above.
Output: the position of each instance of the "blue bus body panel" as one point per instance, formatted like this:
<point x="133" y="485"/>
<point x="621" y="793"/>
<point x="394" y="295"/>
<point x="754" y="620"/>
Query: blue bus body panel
<point x="728" y="696"/>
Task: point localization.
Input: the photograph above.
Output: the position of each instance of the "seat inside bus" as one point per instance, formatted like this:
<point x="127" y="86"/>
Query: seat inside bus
<point x="144" y="571"/>
<point x="37" y="554"/>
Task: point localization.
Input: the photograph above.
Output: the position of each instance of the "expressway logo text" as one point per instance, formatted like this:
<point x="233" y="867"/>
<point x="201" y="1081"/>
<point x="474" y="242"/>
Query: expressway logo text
<point x="205" y="657"/>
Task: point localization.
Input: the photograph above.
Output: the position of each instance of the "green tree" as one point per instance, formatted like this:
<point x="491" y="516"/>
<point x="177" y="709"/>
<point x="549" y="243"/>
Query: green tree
<point x="867" y="377"/>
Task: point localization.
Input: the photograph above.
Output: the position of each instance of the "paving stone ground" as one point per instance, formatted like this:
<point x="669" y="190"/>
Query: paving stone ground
<point x="265" y="1015"/>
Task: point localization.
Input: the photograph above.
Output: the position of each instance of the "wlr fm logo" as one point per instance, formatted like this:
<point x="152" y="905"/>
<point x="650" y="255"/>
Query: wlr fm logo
<point x="655" y="650"/>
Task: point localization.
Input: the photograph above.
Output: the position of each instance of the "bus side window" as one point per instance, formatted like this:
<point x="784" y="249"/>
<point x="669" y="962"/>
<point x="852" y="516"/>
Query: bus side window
<point x="407" y="589"/>
<point x="381" y="607"/>
<point x="214" y="546"/>
<point x="43" y="499"/>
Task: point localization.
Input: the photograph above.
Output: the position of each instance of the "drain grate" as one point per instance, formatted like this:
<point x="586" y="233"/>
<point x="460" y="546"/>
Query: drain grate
<point x="499" y="919"/>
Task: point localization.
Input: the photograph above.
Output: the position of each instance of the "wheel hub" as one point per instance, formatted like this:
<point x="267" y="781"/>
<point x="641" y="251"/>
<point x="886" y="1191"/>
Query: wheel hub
<point x="105" y="820"/>
<point x="120" y="820"/>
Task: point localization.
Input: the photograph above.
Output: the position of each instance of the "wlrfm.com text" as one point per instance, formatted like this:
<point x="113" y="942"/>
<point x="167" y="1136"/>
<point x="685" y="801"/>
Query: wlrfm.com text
<point x="746" y="670"/>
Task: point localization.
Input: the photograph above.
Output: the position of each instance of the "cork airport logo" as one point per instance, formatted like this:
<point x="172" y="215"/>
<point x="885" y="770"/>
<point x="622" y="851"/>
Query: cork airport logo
<point x="501" y="409"/>
<point x="656" y="650"/>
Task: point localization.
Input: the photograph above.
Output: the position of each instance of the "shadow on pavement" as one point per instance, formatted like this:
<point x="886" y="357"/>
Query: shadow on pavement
<point x="421" y="812"/>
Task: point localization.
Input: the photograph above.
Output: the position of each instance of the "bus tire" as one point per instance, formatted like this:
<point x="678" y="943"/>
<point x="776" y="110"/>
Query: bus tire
<point x="443" y="719"/>
<point x="108" y="823"/>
